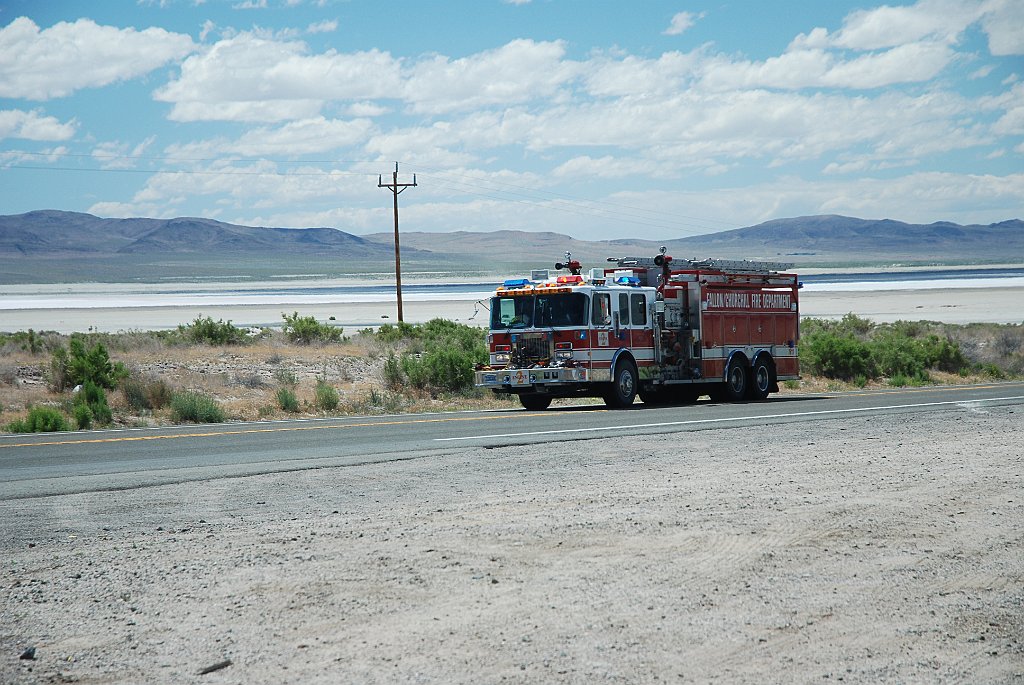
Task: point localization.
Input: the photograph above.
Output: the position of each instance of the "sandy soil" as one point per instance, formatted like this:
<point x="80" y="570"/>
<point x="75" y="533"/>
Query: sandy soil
<point x="884" y="549"/>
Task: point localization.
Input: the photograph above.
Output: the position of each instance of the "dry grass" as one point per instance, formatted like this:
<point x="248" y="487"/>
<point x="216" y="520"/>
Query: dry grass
<point x="244" y="379"/>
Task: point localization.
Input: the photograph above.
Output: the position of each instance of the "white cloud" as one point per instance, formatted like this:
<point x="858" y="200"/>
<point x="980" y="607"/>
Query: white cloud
<point x="303" y="137"/>
<point x="118" y="155"/>
<point x="517" y="72"/>
<point x="606" y="167"/>
<point x="631" y="75"/>
<point x="815" y="68"/>
<point x="925" y="21"/>
<point x="1004" y="24"/>
<point x="681" y="22"/>
<point x="322" y="27"/>
<point x="249" y="78"/>
<point x="57" y="61"/>
<point x="34" y="126"/>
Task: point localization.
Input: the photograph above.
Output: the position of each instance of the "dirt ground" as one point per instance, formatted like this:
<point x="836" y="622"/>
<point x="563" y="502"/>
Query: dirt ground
<point x="881" y="549"/>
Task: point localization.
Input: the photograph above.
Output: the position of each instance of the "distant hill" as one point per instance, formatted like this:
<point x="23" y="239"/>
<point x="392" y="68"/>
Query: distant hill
<point x="813" y="239"/>
<point x="56" y="246"/>
<point x="54" y="233"/>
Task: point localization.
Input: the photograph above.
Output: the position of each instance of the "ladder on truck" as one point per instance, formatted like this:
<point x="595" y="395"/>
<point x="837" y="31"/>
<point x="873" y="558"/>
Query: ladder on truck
<point x="744" y="266"/>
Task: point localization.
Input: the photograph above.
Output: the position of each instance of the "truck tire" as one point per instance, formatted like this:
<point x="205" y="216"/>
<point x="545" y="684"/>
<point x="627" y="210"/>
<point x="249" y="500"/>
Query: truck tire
<point x="622" y="391"/>
<point x="656" y="396"/>
<point x="760" y="379"/>
<point x="535" y="402"/>
<point x="736" y="380"/>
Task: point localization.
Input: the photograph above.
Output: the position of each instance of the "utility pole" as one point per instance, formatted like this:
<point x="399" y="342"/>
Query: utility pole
<point x="395" y="187"/>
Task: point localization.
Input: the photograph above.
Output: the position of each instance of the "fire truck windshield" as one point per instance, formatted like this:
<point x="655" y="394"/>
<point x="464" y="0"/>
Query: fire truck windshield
<point x="539" y="311"/>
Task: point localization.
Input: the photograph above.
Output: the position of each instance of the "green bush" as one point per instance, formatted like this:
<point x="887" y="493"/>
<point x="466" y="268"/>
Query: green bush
<point x="195" y="407"/>
<point x="837" y="356"/>
<point x="287" y="400"/>
<point x="326" y="396"/>
<point x="306" y="330"/>
<point x="855" y="349"/>
<point x="79" y="364"/>
<point x="40" y="420"/>
<point x="90" y="405"/>
<point x="394" y="378"/>
<point x="439" y="355"/>
<point x="206" y="330"/>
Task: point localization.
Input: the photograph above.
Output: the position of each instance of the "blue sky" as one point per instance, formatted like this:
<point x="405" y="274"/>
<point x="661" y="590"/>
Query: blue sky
<point x="594" y="118"/>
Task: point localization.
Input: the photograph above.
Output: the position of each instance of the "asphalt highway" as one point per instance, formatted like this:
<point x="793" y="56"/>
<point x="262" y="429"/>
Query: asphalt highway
<point x="63" y="463"/>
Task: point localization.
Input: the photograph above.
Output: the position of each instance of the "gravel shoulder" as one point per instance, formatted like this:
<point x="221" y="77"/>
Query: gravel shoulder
<point x="882" y="549"/>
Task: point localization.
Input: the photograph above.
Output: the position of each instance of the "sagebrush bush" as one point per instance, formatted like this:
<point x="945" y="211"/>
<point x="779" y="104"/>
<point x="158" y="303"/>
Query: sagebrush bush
<point x="210" y="332"/>
<point x="79" y="364"/>
<point x="327" y="398"/>
<point x="855" y="349"/>
<point x="439" y="355"/>
<point x="195" y="407"/>
<point x="146" y="394"/>
<point x="306" y="330"/>
<point x="90" y="405"/>
<point x="40" y="420"/>
<point x="837" y="356"/>
<point x="287" y="400"/>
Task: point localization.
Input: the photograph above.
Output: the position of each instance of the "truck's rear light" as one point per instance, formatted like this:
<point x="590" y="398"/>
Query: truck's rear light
<point x="563" y="346"/>
<point x="502" y="348"/>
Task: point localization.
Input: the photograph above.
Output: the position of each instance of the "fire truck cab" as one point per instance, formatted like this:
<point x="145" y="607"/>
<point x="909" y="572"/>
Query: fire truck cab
<point x="664" y="330"/>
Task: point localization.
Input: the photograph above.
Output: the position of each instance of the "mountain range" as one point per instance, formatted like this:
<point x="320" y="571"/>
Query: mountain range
<point x="51" y="245"/>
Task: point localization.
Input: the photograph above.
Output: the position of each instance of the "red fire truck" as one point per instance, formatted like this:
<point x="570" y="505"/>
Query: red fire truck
<point x="668" y="330"/>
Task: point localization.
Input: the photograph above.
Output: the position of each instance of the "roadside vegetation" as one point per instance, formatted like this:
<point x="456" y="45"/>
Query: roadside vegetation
<point x="211" y="371"/>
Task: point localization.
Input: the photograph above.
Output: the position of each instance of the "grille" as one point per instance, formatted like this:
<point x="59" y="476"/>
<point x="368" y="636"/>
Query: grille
<point x="531" y="349"/>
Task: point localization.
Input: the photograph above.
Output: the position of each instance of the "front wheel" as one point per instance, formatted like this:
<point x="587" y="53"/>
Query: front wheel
<point x="735" y="381"/>
<point x="623" y="388"/>
<point x="535" y="402"/>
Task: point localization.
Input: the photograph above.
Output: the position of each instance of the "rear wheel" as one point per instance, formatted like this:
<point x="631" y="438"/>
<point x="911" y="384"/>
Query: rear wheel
<point x="760" y="379"/>
<point x="623" y="388"/>
<point x="535" y="402"/>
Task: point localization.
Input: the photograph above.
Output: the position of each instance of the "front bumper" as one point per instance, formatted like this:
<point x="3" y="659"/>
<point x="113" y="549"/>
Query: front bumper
<point x="498" y="379"/>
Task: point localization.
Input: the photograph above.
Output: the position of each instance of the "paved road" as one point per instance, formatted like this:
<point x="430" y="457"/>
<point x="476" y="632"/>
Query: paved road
<point x="51" y="464"/>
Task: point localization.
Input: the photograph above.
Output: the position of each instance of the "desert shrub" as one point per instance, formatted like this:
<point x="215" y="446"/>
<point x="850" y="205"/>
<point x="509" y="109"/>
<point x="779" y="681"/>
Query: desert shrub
<point x="287" y="400"/>
<point x="206" y="330"/>
<point x="90" y="405"/>
<point x="40" y="420"/>
<point x="286" y="377"/>
<point x="326" y="396"/>
<point x="195" y="407"/>
<point x="439" y="355"/>
<point x="394" y="378"/>
<point x="306" y="330"/>
<point x="440" y="368"/>
<point x="837" y="356"/>
<point x="79" y="364"/>
<point x="146" y="394"/>
<point x="250" y="380"/>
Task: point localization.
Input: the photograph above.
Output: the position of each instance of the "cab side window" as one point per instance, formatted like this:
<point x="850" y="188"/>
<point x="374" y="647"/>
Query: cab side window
<point x="623" y="309"/>
<point x="602" y="312"/>
<point x="638" y="309"/>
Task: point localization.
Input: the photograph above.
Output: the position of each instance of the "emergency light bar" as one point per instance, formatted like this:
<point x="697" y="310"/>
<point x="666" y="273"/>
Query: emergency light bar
<point x="516" y="283"/>
<point x="569" y="280"/>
